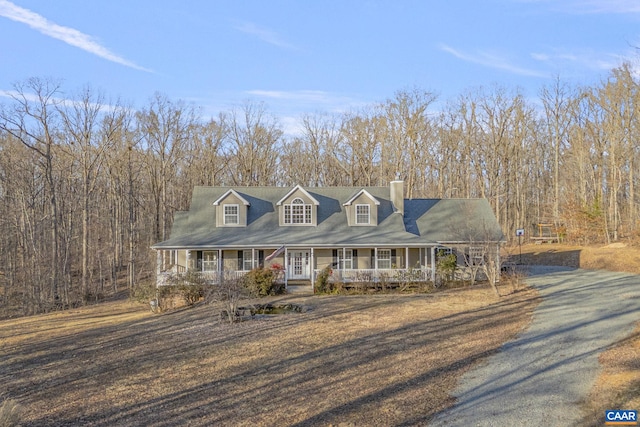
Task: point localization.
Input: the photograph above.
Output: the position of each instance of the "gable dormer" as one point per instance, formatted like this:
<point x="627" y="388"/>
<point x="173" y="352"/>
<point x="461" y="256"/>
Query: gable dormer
<point x="298" y="208"/>
<point x="362" y="209"/>
<point x="231" y="210"/>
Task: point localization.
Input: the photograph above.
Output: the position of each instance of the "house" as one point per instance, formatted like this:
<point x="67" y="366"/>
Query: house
<point x="361" y="232"/>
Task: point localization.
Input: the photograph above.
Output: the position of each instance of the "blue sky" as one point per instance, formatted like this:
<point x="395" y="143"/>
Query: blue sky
<point x="312" y="56"/>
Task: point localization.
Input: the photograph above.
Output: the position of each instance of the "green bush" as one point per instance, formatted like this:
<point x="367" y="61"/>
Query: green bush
<point x="322" y="284"/>
<point x="446" y="265"/>
<point x="261" y="282"/>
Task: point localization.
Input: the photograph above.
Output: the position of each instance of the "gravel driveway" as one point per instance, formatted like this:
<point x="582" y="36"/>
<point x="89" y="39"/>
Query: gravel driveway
<point x="540" y="378"/>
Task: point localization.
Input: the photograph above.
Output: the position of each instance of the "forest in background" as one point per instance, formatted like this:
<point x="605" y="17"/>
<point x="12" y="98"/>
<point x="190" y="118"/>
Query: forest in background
<point x="87" y="183"/>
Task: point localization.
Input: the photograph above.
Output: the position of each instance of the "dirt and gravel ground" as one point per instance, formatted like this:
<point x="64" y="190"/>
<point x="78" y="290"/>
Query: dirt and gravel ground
<point x="347" y="360"/>
<point x="618" y="382"/>
<point x="543" y="376"/>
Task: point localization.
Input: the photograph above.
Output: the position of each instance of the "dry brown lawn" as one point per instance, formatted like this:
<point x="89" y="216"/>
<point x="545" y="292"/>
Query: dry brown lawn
<point x="346" y="360"/>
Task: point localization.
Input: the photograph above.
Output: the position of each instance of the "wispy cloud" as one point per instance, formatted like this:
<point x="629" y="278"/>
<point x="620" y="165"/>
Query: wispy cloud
<point x="320" y="99"/>
<point x="68" y="35"/>
<point x="12" y="94"/>
<point x="590" y="6"/>
<point x="608" y="6"/>
<point x="63" y="102"/>
<point x="264" y="34"/>
<point x="581" y="60"/>
<point x="287" y="106"/>
<point x="491" y="61"/>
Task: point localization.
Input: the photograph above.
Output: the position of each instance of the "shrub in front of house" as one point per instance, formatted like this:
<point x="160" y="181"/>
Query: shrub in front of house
<point x="262" y="282"/>
<point x="446" y="265"/>
<point x="323" y="285"/>
<point x="188" y="287"/>
<point x="143" y="291"/>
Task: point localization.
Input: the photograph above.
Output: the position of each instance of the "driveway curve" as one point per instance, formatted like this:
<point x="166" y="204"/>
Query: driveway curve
<point x="541" y="377"/>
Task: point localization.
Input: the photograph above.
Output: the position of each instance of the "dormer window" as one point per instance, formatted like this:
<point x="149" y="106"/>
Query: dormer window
<point x="297" y="212"/>
<point x="231" y="210"/>
<point x="363" y="214"/>
<point x="231" y="215"/>
<point x="298" y="208"/>
<point x="362" y="209"/>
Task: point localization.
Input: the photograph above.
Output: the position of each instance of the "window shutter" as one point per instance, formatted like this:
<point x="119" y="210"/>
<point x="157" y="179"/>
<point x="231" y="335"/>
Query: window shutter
<point x="261" y="258"/>
<point x="354" y="257"/>
<point x="240" y="260"/>
<point x="335" y="255"/>
<point x="199" y="260"/>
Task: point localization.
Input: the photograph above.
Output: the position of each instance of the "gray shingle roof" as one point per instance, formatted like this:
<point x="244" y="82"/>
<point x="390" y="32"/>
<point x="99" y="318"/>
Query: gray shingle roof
<point x="426" y="221"/>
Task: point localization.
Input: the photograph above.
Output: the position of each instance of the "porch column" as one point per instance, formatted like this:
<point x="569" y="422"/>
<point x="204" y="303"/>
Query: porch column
<point x="253" y="258"/>
<point x="433" y="263"/>
<point x="188" y="260"/>
<point x="375" y="258"/>
<point x="286" y="267"/>
<point x="406" y="258"/>
<point x="344" y="257"/>
<point x="158" y="262"/>
<point x="498" y="266"/>
<point x="313" y="268"/>
<point x="219" y="272"/>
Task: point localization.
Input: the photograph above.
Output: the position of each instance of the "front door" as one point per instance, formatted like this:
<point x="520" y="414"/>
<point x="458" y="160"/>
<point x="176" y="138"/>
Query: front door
<point x="299" y="265"/>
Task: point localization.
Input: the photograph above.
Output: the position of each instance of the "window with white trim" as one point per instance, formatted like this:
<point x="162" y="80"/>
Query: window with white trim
<point x="297" y="212"/>
<point x="247" y="260"/>
<point x="209" y="261"/>
<point x="346" y="260"/>
<point x="363" y="215"/>
<point x="444" y="251"/>
<point x="384" y="258"/>
<point x="231" y="215"/>
<point x="476" y="255"/>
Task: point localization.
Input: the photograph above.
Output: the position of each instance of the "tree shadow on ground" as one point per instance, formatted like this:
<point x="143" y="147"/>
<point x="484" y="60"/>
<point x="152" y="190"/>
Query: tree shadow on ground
<point x="376" y="375"/>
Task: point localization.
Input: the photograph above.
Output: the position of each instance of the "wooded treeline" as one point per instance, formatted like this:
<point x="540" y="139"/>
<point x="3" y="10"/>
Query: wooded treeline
<point x="87" y="184"/>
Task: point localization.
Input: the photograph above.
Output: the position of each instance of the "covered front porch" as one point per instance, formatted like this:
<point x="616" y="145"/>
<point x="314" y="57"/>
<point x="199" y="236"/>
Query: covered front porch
<point x="301" y="265"/>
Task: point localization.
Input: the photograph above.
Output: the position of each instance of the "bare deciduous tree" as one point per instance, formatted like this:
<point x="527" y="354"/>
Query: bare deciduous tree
<point x="32" y="120"/>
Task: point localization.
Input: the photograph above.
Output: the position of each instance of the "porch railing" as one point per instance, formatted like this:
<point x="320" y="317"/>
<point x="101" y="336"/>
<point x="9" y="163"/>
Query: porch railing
<point x="213" y="277"/>
<point x="391" y="275"/>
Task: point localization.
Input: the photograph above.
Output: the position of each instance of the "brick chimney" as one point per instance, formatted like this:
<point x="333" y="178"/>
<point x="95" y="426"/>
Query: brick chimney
<point x="396" y="193"/>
